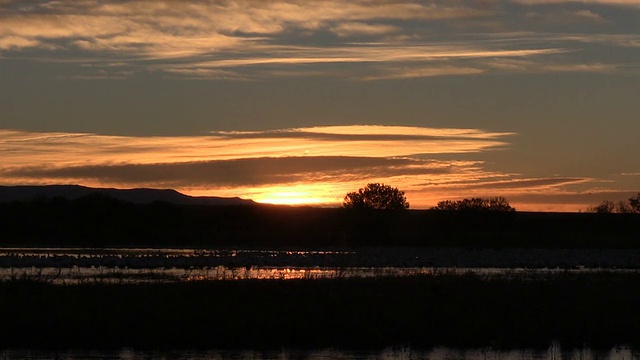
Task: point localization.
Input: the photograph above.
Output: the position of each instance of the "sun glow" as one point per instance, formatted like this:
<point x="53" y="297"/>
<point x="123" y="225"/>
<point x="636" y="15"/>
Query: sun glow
<point x="290" y="198"/>
<point x="303" y="194"/>
<point x="304" y="166"/>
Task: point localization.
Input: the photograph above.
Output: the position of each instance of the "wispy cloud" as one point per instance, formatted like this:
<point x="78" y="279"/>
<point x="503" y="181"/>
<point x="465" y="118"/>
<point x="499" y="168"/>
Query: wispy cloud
<point x="620" y="40"/>
<point x="376" y="61"/>
<point x="366" y="53"/>
<point x="252" y="39"/>
<point x="246" y="172"/>
<point x="520" y="184"/>
<point x="567" y="17"/>
<point x="252" y="163"/>
<point x="16" y="42"/>
<point x="298" y="165"/>
<point x="633" y="3"/>
<point x="525" y="66"/>
<point x="21" y="147"/>
<point x="358" y="28"/>
<point x="168" y="28"/>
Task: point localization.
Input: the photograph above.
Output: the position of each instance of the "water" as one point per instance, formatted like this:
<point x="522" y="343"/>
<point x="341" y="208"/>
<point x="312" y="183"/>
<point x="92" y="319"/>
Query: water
<point x="82" y="265"/>
<point x="87" y="265"/>
<point x="554" y="352"/>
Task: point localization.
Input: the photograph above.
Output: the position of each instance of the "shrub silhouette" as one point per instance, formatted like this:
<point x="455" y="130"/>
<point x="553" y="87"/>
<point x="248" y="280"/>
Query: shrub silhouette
<point x="605" y="207"/>
<point x="376" y="196"/>
<point x="634" y="203"/>
<point x="475" y="204"/>
<point x="631" y="206"/>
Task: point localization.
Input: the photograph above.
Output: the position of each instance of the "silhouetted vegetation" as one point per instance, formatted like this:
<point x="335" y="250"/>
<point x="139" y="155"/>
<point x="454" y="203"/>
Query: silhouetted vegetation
<point x="605" y="207"/>
<point x="634" y="203"/>
<point x="475" y="204"/>
<point x="103" y="222"/>
<point x="596" y="310"/>
<point x="630" y="206"/>
<point x="376" y="196"/>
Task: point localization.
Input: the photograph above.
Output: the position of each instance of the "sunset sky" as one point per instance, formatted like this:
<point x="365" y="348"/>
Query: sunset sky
<point x="301" y="101"/>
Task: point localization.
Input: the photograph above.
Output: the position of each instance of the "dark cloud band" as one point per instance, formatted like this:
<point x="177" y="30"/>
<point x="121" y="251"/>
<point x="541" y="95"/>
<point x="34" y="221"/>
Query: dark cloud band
<point x="241" y="172"/>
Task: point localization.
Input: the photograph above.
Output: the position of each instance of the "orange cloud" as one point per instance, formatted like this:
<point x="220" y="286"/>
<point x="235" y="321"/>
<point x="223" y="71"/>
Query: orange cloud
<point x="255" y="164"/>
<point x="26" y="148"/>
<point x="196" y="39"/>
<point x="603" y="2"/>
<point x="311" y="165"/>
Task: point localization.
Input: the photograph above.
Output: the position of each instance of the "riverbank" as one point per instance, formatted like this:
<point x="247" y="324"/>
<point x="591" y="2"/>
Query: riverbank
<point x="469" y="311"/>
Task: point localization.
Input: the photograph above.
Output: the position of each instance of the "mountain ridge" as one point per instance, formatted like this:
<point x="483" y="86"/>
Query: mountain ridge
<point x="135" y="195"/>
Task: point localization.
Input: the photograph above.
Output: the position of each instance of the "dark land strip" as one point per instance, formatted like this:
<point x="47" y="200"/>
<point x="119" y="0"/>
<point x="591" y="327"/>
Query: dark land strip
<point x="99" y="221"/>
<point x="576" y="310"/>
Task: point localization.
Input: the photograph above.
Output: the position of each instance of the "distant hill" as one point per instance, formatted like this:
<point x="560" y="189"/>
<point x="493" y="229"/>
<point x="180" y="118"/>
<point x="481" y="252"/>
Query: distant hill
<point x="137" y="196"/>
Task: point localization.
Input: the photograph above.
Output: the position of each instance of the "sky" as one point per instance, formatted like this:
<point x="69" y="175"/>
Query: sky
<point x="302" y="101"/>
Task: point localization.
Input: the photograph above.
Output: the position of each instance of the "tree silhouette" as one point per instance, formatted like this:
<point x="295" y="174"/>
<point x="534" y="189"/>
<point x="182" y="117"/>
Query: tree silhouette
<point x="634" y="203"/>
<point x="605" y="207"/>
<point x="631" y="206"/>
<point x="376" y="196"/>
<point x="475" y="204"/>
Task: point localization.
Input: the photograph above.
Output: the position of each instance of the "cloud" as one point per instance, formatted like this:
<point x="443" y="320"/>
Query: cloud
<point x="243" y="172"/>
<point x="376" y="62"/>
<point x="170" y="29"/>
<point x="371" y="54"/>
<point x="17" y="42"/>
<point x="414" y="72"/>
<point x="368" y="132"/>
<point x="633" y="3"/>
<point x="358" y="28"/>
<point x="567" y="17"/>
<point x="205" y="74"/>
<point x="525" y="66"/>
<point x="298" y="165"/>
<point x="255" y="164"/>
<point x="521" y="184"/>
<point x="619" y="40"/>
<point x="19" y="147"/>
<point x="252" y="39"/>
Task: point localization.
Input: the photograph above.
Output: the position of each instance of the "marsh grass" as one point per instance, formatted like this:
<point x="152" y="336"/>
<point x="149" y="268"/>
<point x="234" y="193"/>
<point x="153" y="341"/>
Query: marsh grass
<point x="463" y="311"/>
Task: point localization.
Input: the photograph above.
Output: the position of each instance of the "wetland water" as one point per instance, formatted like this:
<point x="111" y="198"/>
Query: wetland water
<point x="523" y="299"/>
<point x="554" y="352"/>
<point x="81" y="265"/>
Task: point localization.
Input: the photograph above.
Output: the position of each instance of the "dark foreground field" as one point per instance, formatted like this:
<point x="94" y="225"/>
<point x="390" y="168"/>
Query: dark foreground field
<point x="596" y="310"/>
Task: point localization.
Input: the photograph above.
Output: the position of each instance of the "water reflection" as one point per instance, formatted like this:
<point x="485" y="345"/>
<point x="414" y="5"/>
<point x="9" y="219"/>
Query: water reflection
<point x="81" y="275"/>
<point x="85" y="265"/>
<point x="554" y="352"/>
<point x="360" y="258"/>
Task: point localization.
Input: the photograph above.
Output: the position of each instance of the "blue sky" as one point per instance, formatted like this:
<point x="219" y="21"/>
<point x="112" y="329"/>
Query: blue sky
<point x="301" y="101"/>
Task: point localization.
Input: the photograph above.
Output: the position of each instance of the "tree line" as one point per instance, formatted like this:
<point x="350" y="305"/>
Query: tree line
<point x="99" y="221"/>
<point x="629" y="206"/>
<point x="378" y="196"/>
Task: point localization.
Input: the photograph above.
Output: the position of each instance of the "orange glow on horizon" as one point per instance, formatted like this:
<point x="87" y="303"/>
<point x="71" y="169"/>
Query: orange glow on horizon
<point x="314" y="194"/>
<point x="290" y="198"/>
<point x="301" y="166"/>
